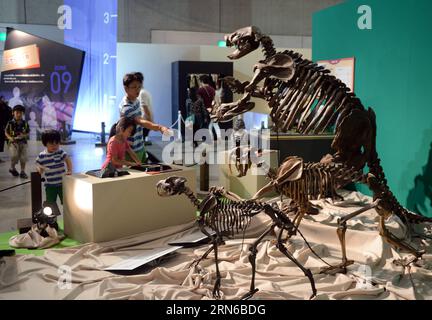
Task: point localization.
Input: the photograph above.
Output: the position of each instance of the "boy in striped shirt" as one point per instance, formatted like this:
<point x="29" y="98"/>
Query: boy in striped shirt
<point x="51" y="162"/>
<point x="130" y="108"/>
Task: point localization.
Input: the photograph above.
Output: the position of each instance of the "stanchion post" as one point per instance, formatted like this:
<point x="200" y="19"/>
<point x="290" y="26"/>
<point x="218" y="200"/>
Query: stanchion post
<point x="204" y="174"/>
<point x="179" y="119"/>
<point x="24" y="225"/>
<point x="65" y="135"/>
<point x="102" y="142"/>
<point x="36" y="192"/>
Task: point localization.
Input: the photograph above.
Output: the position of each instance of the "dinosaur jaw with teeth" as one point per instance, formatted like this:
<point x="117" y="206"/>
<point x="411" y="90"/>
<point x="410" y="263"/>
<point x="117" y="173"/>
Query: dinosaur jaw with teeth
<point x="242" y="50"/>
<point x="244" y="41"/>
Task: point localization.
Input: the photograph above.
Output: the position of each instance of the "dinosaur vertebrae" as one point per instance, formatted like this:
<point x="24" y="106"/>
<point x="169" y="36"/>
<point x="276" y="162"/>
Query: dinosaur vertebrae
<point x="231" y="217"/>
<point x="227" y="217"/>
<point x="189" y="193"/>
<point x="311" y="101"/>
<point x="267" y="46"/>
<point x="319" y="180"/>
<point x="388" y="202"/>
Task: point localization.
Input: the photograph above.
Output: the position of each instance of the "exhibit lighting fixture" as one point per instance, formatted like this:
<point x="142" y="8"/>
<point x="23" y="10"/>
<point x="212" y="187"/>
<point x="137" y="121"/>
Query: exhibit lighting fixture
<point x="2" y="36"/>
<point x="222" y="43"/>
<point x="47" y="215"/>
<point x="19" y="33"/>
<point x="47" y="211"/>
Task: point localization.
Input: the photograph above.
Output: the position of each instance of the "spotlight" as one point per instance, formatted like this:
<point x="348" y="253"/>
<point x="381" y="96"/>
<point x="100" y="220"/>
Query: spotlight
<point x="47" y="215"/>
<point x="47" y="211"/>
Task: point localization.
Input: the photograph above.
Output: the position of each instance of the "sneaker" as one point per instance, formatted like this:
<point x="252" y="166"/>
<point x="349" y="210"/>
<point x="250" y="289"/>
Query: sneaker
<point x="23" y="175"/>
<point x="14" y="172"/>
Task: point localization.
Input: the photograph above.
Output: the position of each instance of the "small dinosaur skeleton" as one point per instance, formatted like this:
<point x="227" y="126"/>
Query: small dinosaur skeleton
<point x="302" y="182"/>
<point x="303" y="97"/>
<point x="227" y="214"/>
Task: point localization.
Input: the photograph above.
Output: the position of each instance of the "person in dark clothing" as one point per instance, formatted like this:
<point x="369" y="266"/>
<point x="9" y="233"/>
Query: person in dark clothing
<point x="207" y="93"/>
<point x="195" y="106"/>
<point x="17" y="132"/>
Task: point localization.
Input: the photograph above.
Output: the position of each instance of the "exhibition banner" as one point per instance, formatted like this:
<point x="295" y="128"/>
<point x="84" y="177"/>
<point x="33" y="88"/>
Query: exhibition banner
<point x="21" y="58"/>
<point x="44" y="76"/>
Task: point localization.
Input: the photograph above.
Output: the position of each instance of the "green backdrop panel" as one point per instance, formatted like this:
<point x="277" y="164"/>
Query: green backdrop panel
<point x="393" y="76"/>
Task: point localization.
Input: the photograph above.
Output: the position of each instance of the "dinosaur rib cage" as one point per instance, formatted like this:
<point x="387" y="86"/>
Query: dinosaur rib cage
<point x="318" y="181"/>
<point x="231" y="217"/>
<point x="311" y="101"/>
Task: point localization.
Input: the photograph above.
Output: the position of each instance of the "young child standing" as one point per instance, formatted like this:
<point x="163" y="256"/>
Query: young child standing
<point x="51" y="162"/>
<point x="17" y="133"/>
<point x="130" y="108"/>
<point x="118" y="145"/>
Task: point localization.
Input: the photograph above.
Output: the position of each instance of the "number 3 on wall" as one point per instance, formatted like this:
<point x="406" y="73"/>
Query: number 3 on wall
<point x="58" y="80"/>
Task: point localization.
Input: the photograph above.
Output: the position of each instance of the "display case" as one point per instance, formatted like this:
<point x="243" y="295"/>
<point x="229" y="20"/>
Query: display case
<point x="97" y="210"/>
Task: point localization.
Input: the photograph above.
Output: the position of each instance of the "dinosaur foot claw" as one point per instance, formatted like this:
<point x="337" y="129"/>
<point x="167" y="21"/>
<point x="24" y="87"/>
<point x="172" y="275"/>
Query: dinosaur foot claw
<point x="340" y="268"/>
<point x="249" y="295"/>
<point x="195" y="263"/>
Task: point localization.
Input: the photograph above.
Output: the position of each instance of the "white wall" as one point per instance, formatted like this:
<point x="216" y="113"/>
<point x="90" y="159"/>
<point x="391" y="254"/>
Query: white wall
<point x="154" y="60"/>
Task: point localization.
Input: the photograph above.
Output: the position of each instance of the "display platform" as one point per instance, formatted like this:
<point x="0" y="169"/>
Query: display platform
<point x="373" y="276"/>
<point x="248" y="185"/>
<point x="97" y="210"/>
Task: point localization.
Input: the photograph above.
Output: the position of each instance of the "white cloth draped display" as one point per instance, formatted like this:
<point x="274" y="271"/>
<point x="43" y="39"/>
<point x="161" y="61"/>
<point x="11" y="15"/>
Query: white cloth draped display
<point x="374" y="275"/>
<point x="34" y="240"/>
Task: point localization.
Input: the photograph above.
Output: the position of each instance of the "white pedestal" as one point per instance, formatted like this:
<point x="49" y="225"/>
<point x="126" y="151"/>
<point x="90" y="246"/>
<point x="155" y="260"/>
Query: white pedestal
<point x="97" y="210"/>
<point x="248" y="185"/>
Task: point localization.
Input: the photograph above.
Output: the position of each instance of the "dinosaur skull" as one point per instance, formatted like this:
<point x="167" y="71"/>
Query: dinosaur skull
<point x="245" y="40"/>
<point x="171" y="186"/>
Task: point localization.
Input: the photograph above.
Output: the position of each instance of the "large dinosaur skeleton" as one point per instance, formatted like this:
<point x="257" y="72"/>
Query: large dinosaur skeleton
<point x="305" y="98"/>
<point x="227" y="214"/>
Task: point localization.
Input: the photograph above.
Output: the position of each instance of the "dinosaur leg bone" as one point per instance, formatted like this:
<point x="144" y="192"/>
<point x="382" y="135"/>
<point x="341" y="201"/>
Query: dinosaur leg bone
<point x="204" y="256"/>
<point x="341" y="230"/>
<point x="216" y="288"/>
<point x="306" y="272"/>
<point x="252" y="259"/>
<point x="396" y="242"/>
<point x="227" y="111"/>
